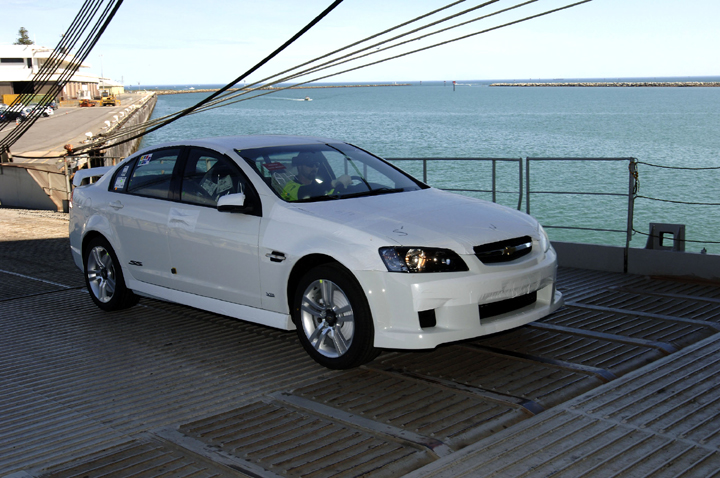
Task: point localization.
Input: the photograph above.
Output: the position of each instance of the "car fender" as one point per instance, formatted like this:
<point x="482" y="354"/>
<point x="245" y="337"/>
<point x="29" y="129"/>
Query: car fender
<point x="98" y="224"/>
<point x="282" y="253"/>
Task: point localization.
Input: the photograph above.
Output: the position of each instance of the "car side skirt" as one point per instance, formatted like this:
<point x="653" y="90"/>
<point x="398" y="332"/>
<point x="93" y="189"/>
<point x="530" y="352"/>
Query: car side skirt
<point x="237" y="311"/>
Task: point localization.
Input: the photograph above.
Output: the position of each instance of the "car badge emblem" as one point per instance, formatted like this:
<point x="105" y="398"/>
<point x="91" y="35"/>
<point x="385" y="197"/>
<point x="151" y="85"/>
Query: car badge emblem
<point x="509" y="251"/>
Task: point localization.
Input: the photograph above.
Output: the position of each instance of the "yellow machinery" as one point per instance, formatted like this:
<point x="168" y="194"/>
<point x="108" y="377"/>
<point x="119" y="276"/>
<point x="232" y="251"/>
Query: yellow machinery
<point x="108" y="99"/>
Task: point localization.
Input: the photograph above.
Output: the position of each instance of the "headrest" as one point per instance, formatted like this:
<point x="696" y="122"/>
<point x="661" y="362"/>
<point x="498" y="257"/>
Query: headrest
<point x="306" y="158"/>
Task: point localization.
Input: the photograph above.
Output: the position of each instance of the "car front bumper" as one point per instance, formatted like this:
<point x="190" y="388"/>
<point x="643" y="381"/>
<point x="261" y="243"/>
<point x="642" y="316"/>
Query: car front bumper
<point x="396" y="299"/>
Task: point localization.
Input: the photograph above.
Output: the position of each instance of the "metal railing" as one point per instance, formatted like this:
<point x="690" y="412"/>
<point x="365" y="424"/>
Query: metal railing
<point x="494" y="191"/>
<point x="525" y="190"/>
<point x="630" y="195"/>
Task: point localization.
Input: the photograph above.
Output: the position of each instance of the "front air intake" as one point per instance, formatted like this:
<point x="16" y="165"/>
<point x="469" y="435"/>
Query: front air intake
<point x="504" y="251"/>
<point x="507" y="305"/>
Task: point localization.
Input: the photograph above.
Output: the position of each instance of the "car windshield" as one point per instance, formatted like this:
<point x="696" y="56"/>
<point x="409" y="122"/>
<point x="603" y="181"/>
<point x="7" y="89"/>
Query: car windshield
<point x="318" y="172"/>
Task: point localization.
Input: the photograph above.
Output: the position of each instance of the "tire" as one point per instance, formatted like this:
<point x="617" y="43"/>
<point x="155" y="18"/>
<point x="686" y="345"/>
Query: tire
<point x="333" y="319"/>
<point x="104" y="278"/>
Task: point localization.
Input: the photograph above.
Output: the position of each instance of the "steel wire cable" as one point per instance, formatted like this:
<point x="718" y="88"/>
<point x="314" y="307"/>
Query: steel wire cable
<point x="198" y="108"/>
<point x="344" y="59"/>
<point x="407" y="53"/>
<point x="231" y="95"/>
<point x="65" y="46"/>
<point x="67" y="74"/>
<point x="349" y="56"/>
<point x="59" y="53"/>
<point x="226" y="101"/>
<point x="376" y="35"/>
<point x="229" y="85"/>
<point x="225" y="95"/>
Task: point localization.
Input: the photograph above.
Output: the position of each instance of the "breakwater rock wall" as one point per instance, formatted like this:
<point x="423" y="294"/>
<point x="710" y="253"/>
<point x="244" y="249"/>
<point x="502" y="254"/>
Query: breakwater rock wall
<point x="138" y="115"/>
<point x="629" y="84"/>
<point x="307" y="87"/>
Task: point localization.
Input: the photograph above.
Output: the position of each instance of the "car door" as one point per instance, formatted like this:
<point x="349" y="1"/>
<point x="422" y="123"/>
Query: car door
<point x="139" y="214"/>
<point x="214" y="254"/>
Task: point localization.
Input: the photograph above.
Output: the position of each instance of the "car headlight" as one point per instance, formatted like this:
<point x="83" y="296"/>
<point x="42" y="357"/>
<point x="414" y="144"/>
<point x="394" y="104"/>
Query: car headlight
<point x="421" y="259"/>
<point x="544" y="239"/>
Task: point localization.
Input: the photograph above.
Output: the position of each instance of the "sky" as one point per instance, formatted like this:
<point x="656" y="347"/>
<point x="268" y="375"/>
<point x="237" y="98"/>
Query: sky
<point x="183" y="42"/>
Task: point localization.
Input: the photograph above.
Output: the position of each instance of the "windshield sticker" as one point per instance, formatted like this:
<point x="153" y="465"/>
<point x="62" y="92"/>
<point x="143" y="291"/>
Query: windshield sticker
<point x="274" y="166"/>
<point x="119" y="183"/>
<point x="125" y="171"/>
<point x="144" y="160"/>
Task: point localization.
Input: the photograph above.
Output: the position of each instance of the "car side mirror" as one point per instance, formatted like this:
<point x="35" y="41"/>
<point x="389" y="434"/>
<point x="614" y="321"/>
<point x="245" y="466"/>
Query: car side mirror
<point x="233" y="203"/>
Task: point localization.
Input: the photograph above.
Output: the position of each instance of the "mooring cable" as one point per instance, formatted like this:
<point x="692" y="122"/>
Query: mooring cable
<point x="246" y="92"/>
<point x="228" y="86"/>
<point x="223" y="96"/>
<point x="74" y="33"/>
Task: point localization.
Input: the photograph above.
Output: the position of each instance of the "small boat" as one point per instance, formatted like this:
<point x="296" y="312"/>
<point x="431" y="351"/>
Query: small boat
<point x="307" y="98"/>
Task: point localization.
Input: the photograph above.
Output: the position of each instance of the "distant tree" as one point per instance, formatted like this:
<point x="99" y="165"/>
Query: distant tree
<point x="23" y="39"/>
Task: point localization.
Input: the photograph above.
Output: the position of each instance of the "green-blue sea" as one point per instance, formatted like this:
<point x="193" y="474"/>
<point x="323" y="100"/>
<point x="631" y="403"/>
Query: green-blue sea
<point x="662" y="127"/>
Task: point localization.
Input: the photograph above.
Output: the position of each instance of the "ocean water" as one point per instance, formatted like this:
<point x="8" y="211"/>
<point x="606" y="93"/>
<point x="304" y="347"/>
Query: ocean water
<point x="669" y="127"/>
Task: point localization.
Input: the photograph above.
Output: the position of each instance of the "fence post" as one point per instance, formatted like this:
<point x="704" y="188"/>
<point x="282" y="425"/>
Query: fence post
<point x="632" y="174"/>
<point x="425" y="171"/>
<point x="527" y="184"/>
<point x="494" y="183"/>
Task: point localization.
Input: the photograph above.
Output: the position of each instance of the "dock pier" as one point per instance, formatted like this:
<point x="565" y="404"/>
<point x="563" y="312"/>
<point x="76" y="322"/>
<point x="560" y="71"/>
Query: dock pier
<point x="37" y="179"/>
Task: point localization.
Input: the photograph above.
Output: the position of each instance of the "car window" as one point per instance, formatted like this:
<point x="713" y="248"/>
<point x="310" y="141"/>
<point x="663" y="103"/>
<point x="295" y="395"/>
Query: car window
<point x="152" y="174"/>
<point x="208" y="176"/>
<point x="336" y="171"/>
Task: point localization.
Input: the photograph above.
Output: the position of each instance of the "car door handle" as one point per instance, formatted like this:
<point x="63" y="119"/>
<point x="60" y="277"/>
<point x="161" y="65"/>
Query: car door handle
<point x="116" y="205"/>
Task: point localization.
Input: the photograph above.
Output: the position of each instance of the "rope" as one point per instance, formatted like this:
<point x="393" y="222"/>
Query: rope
<point x="679" y="167"/>
<point x="679" y="202"/>
<point x="675" y="239"/>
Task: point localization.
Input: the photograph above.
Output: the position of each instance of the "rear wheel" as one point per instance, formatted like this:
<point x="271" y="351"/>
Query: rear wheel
<point x="104" y="278"/>
<point x="333" y="318"/>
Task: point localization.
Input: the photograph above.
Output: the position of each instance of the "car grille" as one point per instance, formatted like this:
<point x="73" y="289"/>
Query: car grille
<point x="504" y="251"/>
<point x="508" y="305"/>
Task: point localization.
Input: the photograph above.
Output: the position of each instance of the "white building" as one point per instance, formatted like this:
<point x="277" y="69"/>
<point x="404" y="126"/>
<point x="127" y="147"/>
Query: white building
<point x="20" y="63"/>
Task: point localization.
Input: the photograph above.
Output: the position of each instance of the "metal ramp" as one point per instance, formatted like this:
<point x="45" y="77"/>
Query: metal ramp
<point x="622" y="380"/>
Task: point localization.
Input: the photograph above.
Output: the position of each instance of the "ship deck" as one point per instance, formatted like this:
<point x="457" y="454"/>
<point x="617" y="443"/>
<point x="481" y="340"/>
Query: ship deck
<point x="621" y="381"/>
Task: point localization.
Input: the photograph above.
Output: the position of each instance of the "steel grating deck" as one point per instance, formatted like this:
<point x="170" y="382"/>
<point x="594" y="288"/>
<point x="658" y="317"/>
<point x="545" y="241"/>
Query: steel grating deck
<point x="624" y="380"/>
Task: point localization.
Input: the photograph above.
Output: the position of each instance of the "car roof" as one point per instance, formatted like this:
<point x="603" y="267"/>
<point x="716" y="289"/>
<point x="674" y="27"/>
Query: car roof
<point x="227" y="143"/>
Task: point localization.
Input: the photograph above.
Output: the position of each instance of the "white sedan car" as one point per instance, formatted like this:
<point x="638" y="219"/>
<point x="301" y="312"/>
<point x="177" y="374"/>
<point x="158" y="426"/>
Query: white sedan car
<point x="310" y="234"/>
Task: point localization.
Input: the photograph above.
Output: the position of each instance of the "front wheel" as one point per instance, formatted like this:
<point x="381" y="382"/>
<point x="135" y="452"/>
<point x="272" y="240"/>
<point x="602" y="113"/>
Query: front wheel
<point x="104" y="277"/>
<point x="333" y="318"/>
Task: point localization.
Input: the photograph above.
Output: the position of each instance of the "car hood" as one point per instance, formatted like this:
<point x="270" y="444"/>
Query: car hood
<point x="429" y="218"/>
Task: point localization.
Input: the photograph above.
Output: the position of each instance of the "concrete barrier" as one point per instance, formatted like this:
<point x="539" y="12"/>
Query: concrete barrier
<point x="135" y="117"/>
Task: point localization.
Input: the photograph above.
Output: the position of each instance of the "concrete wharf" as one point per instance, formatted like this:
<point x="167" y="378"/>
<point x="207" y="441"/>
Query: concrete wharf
<point x="45" y="141"/>
<point x="622" y="381"/>
<point x="37" y="178"/>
